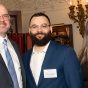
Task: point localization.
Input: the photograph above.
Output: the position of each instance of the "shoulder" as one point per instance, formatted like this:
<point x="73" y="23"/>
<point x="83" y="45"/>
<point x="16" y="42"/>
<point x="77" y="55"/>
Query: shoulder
<point x="27" y="53"/>
<point x="13" y="42"/>
<point x="60" y="47"/>
<point x="62" y="51"/>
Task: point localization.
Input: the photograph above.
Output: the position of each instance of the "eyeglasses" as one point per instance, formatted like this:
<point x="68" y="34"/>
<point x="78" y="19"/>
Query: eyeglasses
<point x="42" y="26"/>
<point x="5" y="17"/>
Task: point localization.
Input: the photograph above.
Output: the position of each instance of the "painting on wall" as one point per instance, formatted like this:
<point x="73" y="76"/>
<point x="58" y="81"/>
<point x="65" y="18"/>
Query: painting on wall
<point x="13" y="21"/>
<point x="16" y="22"/>
<point x="63" y="34"/>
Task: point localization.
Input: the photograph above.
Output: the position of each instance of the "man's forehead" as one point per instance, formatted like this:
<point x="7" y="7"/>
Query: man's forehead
<point x="3" y="10"/>
<point x="39" y="19"/>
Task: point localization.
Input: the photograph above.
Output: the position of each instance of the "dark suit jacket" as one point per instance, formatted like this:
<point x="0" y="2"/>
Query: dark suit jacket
<point x="5" y="79"/>
<point x="84" y="67"/>
<point x="64" y="60"/>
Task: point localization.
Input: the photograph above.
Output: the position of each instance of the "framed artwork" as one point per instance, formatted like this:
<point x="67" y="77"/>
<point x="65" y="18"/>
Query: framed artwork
<point x="16" y="22"/>
<point x="63" y="34"/>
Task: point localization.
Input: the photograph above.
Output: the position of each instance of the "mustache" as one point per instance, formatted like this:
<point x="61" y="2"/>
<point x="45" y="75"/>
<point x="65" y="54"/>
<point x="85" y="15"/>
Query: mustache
<point x="40" y="33"/>
<point x="2" y="23"/>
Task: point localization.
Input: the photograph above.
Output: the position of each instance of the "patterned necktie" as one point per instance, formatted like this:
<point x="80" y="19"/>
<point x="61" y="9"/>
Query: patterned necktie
<point x="10" y="64"/>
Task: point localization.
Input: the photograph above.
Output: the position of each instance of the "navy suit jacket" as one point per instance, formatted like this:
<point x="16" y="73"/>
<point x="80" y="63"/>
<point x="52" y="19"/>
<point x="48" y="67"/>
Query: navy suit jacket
<point x="64" y="60"/>
<point x="5" y="78"/>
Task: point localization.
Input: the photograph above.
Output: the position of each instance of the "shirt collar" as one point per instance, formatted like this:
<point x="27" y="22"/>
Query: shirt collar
<point x="44" y="50"/>
<point x="1" y="39"/>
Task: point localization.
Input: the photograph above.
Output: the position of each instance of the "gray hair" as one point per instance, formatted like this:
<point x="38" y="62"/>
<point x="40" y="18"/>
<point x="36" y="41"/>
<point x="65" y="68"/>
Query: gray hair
<point x="83" y="56"/>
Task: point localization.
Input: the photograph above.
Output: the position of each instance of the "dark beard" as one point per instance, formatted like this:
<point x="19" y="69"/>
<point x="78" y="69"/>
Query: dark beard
<point x="40" y="42"/>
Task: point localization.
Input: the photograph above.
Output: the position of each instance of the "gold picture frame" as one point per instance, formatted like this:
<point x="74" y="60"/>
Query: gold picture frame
<point x="62" y="33"/>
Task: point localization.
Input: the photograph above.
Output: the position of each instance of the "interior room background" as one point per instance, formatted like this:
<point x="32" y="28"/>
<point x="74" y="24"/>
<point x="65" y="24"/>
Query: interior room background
<point x="57" y="10"/>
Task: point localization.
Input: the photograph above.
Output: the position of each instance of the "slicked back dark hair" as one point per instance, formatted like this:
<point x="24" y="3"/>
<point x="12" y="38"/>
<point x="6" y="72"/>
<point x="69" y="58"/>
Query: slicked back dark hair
<point x="38" y="15"/>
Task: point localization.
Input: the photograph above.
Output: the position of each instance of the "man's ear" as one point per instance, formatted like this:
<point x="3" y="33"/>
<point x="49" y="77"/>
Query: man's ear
<point x="51" y="28"/>
<point x="29" y="30"/>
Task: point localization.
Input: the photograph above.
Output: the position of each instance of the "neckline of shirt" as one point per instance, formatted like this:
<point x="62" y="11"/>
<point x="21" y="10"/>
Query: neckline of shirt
<point x="44" y="50"/>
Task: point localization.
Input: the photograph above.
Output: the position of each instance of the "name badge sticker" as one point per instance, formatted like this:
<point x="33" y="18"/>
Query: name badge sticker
<point x="50" y="73"/>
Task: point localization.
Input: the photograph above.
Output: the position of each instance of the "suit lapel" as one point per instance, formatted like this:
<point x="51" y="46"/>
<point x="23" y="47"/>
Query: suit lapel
<point x="16" y="48"/>
<point x="30" y="77"/>
<point x="2" y="61"/>
<point x="49" y="52"/>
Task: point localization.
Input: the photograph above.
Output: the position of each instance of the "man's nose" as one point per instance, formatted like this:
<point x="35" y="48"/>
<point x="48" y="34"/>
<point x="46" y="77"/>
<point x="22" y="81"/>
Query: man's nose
<point x="39" y="28"/>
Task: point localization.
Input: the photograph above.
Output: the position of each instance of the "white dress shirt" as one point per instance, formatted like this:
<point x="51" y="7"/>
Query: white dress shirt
<point x="14" y="58"/>
<point x="36" y="63"/>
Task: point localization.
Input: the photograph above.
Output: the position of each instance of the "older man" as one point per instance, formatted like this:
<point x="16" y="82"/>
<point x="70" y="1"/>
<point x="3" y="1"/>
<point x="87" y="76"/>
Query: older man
<point x="12" y="74"/>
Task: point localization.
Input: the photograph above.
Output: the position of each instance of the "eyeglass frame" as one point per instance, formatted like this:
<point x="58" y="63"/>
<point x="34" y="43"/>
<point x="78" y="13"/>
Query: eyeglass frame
<point x="42" y="26"/>
<point x="5" y="15"/>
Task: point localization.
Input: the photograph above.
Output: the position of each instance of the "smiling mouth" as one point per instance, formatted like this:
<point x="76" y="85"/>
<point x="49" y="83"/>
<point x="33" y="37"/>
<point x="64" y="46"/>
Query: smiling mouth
<point x="2" y="23"/>
<point x="40" y="36"/>
<point x="2" y="26"/>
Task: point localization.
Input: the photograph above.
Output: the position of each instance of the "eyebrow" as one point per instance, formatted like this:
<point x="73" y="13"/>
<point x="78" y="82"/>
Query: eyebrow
<point x="40" y="24"/>
<point x="5" y="14"/>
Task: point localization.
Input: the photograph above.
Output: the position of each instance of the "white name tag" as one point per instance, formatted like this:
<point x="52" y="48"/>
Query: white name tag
<point x="50" y="73"/>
